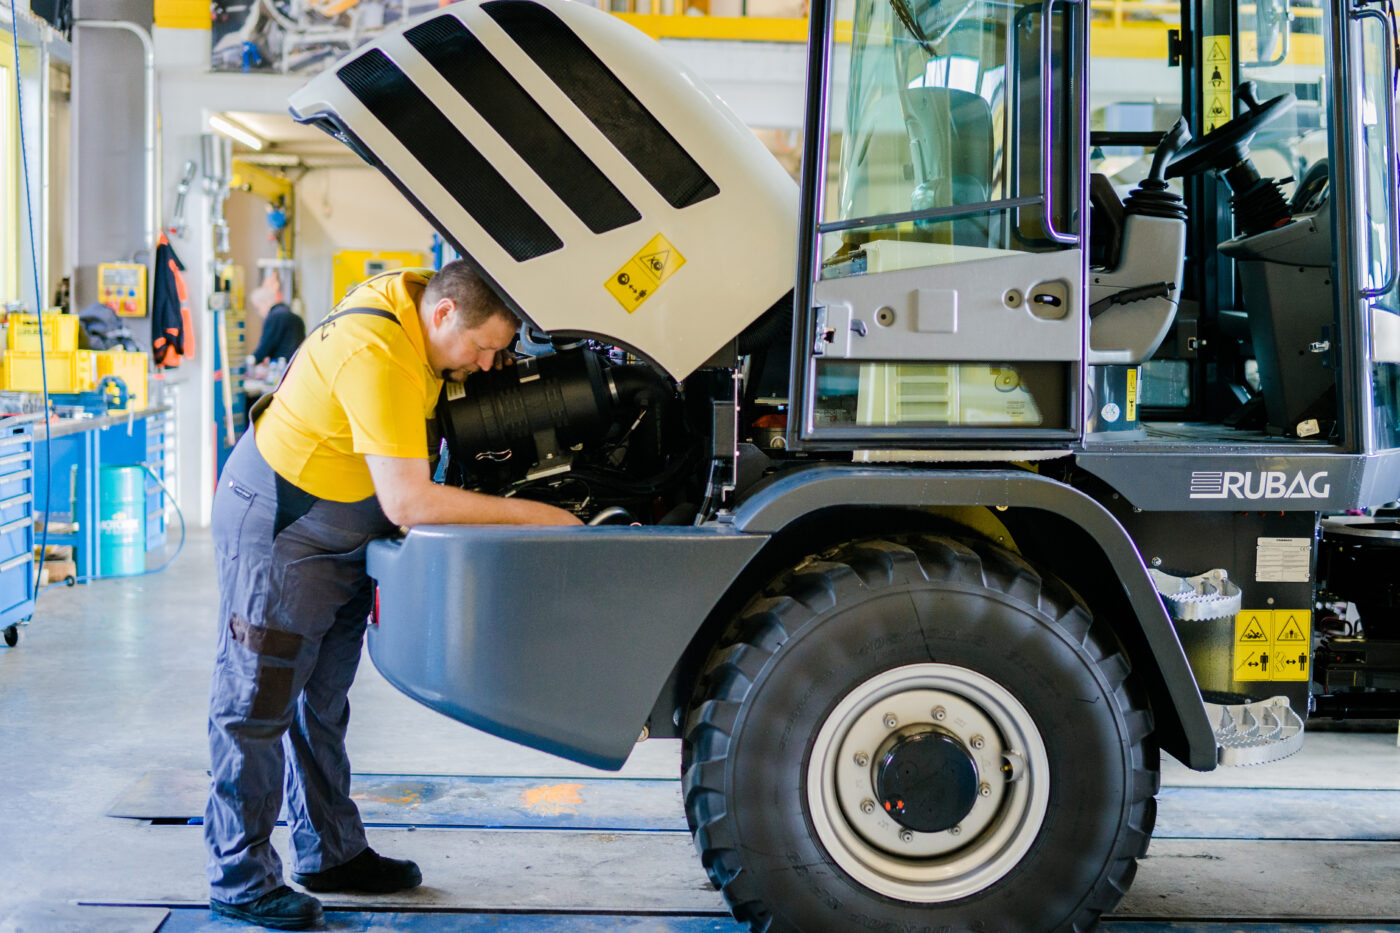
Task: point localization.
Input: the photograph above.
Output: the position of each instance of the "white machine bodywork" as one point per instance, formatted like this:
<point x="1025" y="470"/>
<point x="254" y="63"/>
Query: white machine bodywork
<point x="738" y="246"/>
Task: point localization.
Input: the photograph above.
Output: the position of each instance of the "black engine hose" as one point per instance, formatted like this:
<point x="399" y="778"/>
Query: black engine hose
<point x="569" y="394"/>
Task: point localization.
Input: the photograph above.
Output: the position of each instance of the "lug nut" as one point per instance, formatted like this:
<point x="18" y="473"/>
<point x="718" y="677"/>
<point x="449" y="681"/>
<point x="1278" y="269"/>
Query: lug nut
<point x="867" y="806"/>
<point x="862" y="759"/>
<point x="906" y="836"/>
<point x="956" y="830"/>
<point x="939" y="714"/>
<point x="890" y="721"/>
<point x="985" y="789"/>
<point x="978" y="741"/>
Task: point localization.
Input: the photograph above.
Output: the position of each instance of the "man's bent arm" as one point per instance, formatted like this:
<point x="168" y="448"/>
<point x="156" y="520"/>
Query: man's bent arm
<point x="408" y="496"/>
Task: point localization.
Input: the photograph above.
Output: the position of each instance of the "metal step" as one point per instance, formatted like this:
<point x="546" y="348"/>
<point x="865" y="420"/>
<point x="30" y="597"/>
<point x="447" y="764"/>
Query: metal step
<point x="1255" y="733"/>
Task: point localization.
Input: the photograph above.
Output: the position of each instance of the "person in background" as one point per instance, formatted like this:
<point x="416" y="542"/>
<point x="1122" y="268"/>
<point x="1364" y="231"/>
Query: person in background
<point x="282" y="330"/>
<point x="282" y="333"/>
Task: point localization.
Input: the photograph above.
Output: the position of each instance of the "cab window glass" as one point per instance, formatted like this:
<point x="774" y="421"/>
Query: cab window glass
<point x="936" y="106"/>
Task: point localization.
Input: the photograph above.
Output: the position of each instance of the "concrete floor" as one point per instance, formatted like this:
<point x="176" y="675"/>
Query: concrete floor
<point x="110" y="682"/>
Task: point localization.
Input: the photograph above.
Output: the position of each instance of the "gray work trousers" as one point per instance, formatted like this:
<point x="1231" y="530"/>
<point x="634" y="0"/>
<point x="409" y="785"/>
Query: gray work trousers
<point x="293" y="602"/>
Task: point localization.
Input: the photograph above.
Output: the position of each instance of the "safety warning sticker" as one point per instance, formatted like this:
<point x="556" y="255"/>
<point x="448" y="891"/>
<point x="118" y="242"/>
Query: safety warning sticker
<point x="1272" y="644"/>
<point x="644" y="273"/>
<point x="1217" y="92"/>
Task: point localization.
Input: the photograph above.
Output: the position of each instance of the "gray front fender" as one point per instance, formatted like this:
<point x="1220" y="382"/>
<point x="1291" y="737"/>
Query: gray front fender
<point x="803" y="493"/>
<point x="556" y="638"/>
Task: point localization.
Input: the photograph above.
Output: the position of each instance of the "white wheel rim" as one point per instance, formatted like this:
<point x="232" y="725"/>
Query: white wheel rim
<point x="1013" y="771"/>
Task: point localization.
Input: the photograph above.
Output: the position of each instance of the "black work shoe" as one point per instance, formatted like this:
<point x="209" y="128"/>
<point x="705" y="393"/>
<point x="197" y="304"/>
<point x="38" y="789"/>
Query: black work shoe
<point x="369" y="873"/>
<point x="281" y="909"/>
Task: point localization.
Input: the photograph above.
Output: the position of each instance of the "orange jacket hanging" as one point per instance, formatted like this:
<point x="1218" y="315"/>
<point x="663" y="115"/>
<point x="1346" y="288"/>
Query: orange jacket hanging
<point x="172" y="331"/>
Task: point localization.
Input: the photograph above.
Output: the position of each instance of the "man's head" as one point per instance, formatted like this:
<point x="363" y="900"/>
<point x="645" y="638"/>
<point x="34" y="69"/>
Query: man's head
<point x="465" y="324"/>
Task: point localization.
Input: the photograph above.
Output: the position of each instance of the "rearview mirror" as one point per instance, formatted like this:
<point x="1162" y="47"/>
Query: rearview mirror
<point x="1272" y="20"/>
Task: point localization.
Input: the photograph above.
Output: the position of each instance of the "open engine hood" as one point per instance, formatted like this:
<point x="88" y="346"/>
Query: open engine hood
<point x="598" y="184"/>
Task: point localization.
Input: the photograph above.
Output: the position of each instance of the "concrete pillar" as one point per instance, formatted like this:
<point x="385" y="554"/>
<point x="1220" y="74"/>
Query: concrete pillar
<point x="109" y="145"/>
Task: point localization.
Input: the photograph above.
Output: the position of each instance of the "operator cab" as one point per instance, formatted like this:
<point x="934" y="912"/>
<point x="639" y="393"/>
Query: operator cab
<point x="979" y="204"/>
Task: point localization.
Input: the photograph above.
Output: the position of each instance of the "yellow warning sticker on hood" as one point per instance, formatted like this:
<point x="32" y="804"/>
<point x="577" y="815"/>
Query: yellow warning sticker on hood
<point x="644" y="273"/>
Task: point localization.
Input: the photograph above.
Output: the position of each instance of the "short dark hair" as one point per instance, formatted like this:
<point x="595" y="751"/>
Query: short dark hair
<point x="476" y="302"/>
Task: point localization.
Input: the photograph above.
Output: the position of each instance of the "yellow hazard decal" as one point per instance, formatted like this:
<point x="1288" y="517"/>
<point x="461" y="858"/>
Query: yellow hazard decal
<point x="1132" y="395"/>
<point x="1217" y="92"/>
<point x="644" y="273"/>
<point x="1272" y="644"/>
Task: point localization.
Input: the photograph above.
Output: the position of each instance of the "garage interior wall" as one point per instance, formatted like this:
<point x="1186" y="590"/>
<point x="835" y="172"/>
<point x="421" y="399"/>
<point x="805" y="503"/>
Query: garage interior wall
<point x="248" y="242"/>
<point x="348" y="208"/>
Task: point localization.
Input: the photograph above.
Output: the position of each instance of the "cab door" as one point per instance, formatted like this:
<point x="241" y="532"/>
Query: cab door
<point x="942" y="263"/>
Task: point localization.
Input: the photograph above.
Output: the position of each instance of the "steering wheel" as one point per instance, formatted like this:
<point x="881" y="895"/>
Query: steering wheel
<point x="1228" y="145"/>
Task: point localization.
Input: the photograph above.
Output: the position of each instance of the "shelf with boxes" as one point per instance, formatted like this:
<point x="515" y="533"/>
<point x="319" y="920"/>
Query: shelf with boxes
<point x="96" y="380"/>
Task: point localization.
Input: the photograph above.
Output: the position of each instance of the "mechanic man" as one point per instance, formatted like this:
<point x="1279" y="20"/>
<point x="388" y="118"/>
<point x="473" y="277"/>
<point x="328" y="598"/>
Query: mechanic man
<point x="338" y="457"/>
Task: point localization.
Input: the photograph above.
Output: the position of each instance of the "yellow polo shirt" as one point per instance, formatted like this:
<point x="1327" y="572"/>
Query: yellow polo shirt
<point x="360" y="385"/>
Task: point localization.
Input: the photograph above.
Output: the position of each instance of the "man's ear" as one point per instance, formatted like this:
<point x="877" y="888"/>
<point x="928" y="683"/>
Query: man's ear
<point x="442" y="311"/>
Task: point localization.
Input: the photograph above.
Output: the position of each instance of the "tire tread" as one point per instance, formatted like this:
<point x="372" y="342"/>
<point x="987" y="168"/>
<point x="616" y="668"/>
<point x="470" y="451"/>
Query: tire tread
<point x="818" y="585"/>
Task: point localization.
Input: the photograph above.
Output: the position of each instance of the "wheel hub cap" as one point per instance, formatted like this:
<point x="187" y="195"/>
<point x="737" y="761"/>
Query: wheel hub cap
<point x="927" y="781"/>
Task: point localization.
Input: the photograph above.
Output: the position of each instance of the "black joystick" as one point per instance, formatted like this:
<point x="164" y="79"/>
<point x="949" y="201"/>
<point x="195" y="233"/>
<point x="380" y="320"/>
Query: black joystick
<point x="1151" y="198"/>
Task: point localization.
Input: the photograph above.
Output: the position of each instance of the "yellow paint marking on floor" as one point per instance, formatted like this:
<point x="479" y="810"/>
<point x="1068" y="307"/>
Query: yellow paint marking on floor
<point x="410" y="799"/>
<point x="553" y="799"/>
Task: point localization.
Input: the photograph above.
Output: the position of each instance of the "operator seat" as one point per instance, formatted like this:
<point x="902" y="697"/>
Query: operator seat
<point x="953" y="141"/>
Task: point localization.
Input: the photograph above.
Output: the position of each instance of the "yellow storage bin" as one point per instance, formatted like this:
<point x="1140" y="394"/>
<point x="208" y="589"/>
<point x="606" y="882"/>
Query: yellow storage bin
<point x="70" y="371"/>
<point x="130" y="368"/>
<point x="60" y="332"/>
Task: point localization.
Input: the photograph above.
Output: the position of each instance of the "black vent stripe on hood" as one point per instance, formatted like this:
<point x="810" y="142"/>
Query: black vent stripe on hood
<point x="605" y="100"/>
<point x="485" y="84"/>
<point x="427" y="133"/>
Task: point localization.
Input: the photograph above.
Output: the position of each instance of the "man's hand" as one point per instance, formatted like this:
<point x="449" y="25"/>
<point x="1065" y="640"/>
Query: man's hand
<point x="408" y="496"/>
<point x="503" y="359"/>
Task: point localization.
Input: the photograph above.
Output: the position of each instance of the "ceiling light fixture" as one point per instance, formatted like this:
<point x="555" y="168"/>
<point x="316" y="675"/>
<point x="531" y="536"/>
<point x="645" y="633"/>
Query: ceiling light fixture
<point x="233" y="131"/>
<point x="284" y="159"/>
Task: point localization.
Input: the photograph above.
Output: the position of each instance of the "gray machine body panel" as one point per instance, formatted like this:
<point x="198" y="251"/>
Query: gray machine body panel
<point x="769" y="510"/>
<point x="946" y="313"/>
<point x="1243" y="477"/>
<point x="556" y="638"/>
<point x="562" y="638"/>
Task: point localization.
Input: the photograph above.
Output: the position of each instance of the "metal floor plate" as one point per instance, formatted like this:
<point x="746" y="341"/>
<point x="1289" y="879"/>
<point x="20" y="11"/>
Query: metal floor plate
<point x="41" y="917"/>
<point x="466" y="801"/>
<point x="654" y="805"/>
<point x="201" y="921"/>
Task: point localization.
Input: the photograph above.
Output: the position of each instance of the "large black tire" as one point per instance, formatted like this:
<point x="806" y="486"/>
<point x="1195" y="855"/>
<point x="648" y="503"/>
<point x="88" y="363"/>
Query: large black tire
<point x="873" y="624"/>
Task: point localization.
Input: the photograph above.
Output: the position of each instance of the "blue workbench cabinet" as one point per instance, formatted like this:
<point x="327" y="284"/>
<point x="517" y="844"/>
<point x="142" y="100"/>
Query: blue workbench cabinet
<point x="16" y="525"/>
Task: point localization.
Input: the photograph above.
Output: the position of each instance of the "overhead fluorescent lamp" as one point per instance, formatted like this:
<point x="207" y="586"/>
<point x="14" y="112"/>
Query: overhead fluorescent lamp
<point x="284" y="159"/>
<point x="233" y="131"/>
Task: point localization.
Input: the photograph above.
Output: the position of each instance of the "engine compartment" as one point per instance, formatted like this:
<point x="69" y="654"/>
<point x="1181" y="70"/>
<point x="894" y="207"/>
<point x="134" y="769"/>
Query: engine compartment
<point x="585" y="427"/>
